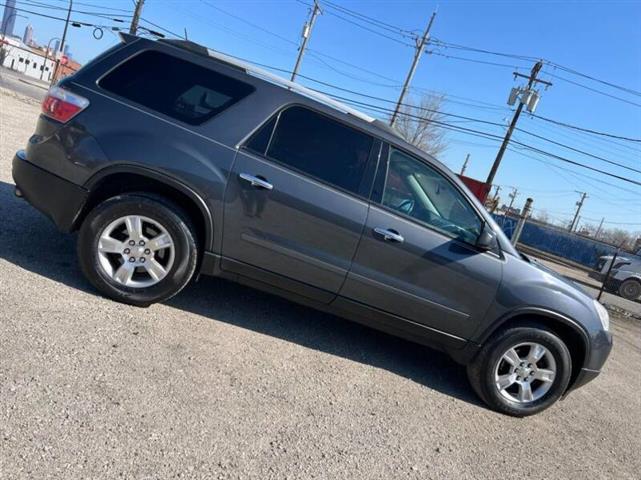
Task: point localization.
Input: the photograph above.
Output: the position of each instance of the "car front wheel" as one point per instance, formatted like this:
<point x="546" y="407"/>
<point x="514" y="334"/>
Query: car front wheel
<point x="630" y="289"/>
<point x="522" y="370"/>
<point x="137" y="249"/>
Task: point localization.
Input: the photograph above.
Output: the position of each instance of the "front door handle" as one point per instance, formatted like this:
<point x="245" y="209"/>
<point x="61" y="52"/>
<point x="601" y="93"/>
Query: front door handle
<point x="389" y="235"/>
<point x="256" y="182"/>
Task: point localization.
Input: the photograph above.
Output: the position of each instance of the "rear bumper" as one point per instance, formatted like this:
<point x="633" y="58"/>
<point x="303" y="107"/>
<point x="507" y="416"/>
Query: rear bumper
<point x="58" y="199"/>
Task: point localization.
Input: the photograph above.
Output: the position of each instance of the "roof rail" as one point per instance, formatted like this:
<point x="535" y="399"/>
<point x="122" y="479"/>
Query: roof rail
<point x="295" y="87"/>
<point x="265" y="75"/>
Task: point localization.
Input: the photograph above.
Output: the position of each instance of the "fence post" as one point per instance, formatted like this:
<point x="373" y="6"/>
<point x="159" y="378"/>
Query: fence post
<point x="607" y="275"/>
<point x="519" y="226"/>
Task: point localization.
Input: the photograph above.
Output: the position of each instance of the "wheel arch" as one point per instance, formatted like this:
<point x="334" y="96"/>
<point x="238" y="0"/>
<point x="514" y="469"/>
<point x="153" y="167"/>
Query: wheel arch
<point x="571" y="333"/>
<point x="121" y="179"/>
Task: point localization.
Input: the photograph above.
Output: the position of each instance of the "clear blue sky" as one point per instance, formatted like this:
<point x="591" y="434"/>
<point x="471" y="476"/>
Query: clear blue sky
<point x="602" y="39"/>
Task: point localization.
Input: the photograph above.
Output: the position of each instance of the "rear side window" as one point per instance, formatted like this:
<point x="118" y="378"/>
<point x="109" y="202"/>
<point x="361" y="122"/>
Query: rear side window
<point x="320" y="147"/>
<point x="177" y="88"/>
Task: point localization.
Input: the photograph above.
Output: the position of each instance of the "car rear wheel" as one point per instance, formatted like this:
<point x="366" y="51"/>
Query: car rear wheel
<point x="522" y="370"/>
<point x="137" y="249"/>
<point x="630" y="289"/>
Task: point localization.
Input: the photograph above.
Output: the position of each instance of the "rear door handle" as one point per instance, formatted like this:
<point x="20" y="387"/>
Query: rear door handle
<point x="389" y="235"/>
<point x="256" y="182"/>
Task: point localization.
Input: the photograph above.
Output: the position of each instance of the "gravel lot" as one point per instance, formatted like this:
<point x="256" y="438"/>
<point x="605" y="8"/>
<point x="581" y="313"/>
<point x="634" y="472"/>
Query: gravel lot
<point x="225" y="382"/>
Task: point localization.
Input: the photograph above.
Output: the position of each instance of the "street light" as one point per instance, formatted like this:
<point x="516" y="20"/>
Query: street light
<point x="47" y="56"/>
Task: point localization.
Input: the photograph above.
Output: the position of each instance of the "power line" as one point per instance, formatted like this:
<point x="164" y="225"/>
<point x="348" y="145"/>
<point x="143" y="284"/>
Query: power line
<point x="553" y="64"/>
<point x="370" y="29"/>
<point x="582" y="152"/>
<point x="373" y="21"/>
<point x="32" y="3"/>
<point x="593" y="89"/>
<point x="241" y="19"/>
<point x="583" y="129"/>
<point x="589" y="77"/>
<point x="73" y="22"/>
<point x="455" y="46"/>
<point x="483" y="62"/>
<point x="93" y="5"/>
<point x="357" y="18"/>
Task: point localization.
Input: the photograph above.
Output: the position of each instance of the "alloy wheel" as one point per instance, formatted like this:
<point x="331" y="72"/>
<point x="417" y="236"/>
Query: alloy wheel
<point x="136" y="251"/>
<point x="525" y="373"/>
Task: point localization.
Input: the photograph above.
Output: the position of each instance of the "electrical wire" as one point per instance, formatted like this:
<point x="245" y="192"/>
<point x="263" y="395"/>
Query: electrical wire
<point x="583" y="129"/>
<point x="372" y="21"/>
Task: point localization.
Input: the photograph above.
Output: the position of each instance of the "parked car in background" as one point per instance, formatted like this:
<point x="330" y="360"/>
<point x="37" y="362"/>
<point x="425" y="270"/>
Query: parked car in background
<point x="173" y="160"/>
<point x="625" y="276"/>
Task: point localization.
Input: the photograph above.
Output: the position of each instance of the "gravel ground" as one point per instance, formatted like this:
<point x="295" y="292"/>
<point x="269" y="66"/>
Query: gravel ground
<point x="225" y="382"/>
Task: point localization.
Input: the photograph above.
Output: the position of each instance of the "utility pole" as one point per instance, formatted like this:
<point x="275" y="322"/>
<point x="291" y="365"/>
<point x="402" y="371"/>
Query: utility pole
<point x="579" y="205"/>
<point x="136" y="18"/>
<point x="62" y="43"/>
<point x="530" y="98"/>
<point x="512" y="196"/>
<point x="307" y="32"/>
<point x="467" y="159"/>
<point x="420" y="46"/>
<point x="598" y="230"/>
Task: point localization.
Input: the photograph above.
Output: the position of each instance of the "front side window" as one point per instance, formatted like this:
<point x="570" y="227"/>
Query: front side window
<point x="177" y="88"/>
<point x="318" y="146"/>
<point x="419" y="191"/>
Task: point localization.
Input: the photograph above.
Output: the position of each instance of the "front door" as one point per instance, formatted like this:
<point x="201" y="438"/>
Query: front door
<point x="296" y="202"/>
<point x="417" y="257"/>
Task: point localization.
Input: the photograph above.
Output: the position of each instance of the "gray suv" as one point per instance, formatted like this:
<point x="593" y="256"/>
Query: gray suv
<point x="173" y="160"/>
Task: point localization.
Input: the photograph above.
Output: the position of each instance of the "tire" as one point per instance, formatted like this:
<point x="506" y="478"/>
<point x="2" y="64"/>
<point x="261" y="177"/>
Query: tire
<point x="630" y="289"/>
<point x="163" y="235"/>
<point x="490" y="361"/>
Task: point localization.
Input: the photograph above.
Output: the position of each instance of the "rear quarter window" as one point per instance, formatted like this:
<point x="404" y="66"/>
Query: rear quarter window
<point x="174" y="87"/>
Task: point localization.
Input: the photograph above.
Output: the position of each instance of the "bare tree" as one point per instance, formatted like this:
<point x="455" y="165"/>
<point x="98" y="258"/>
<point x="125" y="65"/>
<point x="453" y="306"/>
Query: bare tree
<point x="542" y="216"/>
<point x="416" y="124"/>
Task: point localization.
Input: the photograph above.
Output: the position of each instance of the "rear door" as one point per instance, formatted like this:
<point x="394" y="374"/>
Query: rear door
<point x="296" y="202"/>
<point x="417" y="258"/>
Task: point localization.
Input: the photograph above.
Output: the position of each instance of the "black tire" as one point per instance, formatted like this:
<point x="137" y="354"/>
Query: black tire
<point x="169" y="216"/>
<point x="481" y="371"/>
<point x="630" y="289"/>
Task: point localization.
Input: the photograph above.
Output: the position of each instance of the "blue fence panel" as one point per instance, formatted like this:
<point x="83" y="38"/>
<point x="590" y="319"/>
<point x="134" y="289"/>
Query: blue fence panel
<point x="556" y="241"/>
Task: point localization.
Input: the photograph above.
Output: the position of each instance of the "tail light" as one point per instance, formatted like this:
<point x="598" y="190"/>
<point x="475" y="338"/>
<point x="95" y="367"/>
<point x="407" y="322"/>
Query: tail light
<point x="62" y="105"/>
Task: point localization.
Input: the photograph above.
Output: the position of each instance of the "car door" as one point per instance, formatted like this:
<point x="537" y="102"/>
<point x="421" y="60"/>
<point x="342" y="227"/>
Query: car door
<point x="417" y="258"/>
<point x="296" y="202"/>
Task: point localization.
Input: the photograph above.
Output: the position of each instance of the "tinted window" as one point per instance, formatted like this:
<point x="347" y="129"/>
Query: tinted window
<point x="260" y="139"/>
<point x="175" y="87"/>
<point x="413" y="188"/>
<point x="321" y="147"/>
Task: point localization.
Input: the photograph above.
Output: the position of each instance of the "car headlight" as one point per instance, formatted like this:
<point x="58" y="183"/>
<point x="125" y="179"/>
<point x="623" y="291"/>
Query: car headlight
<point x="603" y="315"/>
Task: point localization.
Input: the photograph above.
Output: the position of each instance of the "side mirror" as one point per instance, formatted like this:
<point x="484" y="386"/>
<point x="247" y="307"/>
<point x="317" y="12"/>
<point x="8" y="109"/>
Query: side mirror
<point x="487" y="239"/>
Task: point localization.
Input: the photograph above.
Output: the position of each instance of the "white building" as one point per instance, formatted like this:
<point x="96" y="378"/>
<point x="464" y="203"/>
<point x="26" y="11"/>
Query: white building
<point x="17" y="56"/>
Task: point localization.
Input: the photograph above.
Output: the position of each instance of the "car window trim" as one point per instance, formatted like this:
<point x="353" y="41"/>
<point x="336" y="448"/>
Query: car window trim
<point x="372" y="155"/>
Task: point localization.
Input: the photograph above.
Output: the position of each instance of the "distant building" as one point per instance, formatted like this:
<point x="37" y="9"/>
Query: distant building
<point x="8" y="18"/>
<point x="56" y="46"/>
<point x="31" y="62"/>
<point x="67" y="51"/>
<point x="27" y="38"/>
